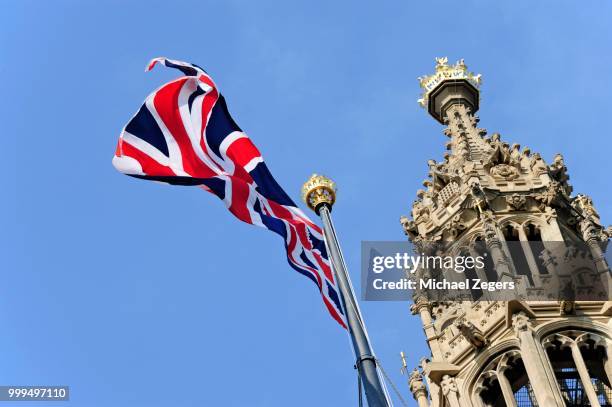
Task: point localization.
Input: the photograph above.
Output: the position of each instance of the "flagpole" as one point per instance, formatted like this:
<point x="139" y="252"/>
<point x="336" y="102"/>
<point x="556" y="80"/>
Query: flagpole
<point x="319" y="193"/>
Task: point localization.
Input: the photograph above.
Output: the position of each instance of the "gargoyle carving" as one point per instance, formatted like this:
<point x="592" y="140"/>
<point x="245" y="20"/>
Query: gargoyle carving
<point x="584" y="204"/>
<point x="410" y="228"/>
<point x="472" y="333"/>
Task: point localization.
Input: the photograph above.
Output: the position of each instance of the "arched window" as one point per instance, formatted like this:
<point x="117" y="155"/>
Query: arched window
<point x="481" y="250"/>
<point x="490" y="390"/>
<point x="534" y="237"/>
<point x="504" y="382"/>
<point x="517" y="252"/>
<point x="578" y="360"/>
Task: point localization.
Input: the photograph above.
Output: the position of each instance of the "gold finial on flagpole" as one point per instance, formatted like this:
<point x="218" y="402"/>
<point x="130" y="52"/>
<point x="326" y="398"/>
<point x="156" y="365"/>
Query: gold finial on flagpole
<point x="319" y="190"/>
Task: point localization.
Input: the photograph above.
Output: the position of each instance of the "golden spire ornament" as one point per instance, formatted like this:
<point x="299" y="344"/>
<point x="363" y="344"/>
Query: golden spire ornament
<point x="450" y="84"/>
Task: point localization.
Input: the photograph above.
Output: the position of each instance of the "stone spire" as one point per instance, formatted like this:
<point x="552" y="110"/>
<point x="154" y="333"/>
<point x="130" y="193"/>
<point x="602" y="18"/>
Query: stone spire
<point x="489" y="190"/>
<point x="482" y="175"/>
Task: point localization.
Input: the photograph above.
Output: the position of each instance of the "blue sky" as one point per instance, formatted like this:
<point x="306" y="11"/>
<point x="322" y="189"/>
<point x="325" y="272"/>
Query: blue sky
<point x="141" y="294"/>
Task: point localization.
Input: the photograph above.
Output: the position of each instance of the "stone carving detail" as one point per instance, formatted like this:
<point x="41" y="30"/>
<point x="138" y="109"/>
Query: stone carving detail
<point x="503" y="160"/>
<point x="549" y="260"/>
<point x="505" y="171"/>
<point x="420" y="212"/>
<point x="410" y="228"/>
<point x="516" y="201"/>
<point x="589" y="230"/>
<point x="489" y="228"/>
<point x="537" y="165"/>
<point x="589" y="225"/>
<point x="558" y="170"/>
<point x="553" y="195"/>
<point x="584" y="203"/>
<point x="455" y="226"/>
<point x="440" y="174"/>
<point x="521" y="322"/>
<point x="417" y="387"/>
<point x="515" y="155"/>
<point x="473" y="335"/>
<point x="420" y="303"/>
<point x="447" y="193"/>
<point x="448" y="384"/>
<point x="566" y="307"/>
<point x="479" y="198"/>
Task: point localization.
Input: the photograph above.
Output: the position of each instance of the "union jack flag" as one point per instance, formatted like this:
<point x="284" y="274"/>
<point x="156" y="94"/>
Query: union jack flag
<point x="183" y="134"/>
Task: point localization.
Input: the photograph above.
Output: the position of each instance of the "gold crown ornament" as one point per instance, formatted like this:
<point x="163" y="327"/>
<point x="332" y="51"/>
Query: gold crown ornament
<point x="319" y="190"/>
<point x="446" y="72"/>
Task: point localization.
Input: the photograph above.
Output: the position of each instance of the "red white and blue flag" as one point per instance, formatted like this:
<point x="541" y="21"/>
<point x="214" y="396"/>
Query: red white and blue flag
<point x="183" y="134"/>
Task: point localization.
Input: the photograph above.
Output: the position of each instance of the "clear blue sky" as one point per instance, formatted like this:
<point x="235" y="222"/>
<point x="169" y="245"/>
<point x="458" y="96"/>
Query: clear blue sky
<point x="141" y="294"/>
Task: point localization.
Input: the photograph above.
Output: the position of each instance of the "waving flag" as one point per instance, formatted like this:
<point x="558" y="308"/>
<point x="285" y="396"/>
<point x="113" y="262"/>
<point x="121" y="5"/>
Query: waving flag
<point x="183" y="134"/>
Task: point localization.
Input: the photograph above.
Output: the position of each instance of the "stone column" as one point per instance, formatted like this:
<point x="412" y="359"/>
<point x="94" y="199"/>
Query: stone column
<point x="422" y="307"/>
<point x="608" y="362"/>
<point x="585" y="378"/>
<point x="530" y="257"/>
<point x="590" y="233"/>
<point x="504" y="384"/>
<point x="418" y="389"/>
<point x="545" y="393"/>
<point x="450" y="390"/>
<point x="499" y="257"/>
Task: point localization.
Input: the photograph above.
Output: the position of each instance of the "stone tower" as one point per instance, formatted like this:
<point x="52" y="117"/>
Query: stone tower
<point x="520" y="352"/>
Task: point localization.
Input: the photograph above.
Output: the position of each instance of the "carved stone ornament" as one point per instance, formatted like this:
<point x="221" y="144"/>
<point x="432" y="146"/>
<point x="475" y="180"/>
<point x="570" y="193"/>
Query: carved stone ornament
<point x="420" y="212"/>
<point x="417" y="387"/>
<point x="505" y="171"/>
<point x="473" y="335"/>
<point x="489" y="228"/>
<point x="566" y="307"/>
<point x="590" y="230"/>
<point x="537" y="164"/>
<point x="448" y="385"/>
<point x="410" y="228"/>
<point x="551" y="196"/>
<point x="521" y="322"/>
<point x="584" y="203"/>
<point x="548" y="258"/>
<point x="419" y="304"/>
<point x="479" y="197"/>
<point x="456" y="225"/>
<point x="516" y="201"/>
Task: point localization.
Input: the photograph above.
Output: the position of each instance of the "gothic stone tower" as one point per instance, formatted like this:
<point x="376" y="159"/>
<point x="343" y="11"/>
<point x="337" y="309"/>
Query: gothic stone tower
<point x="518" y="352"/>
